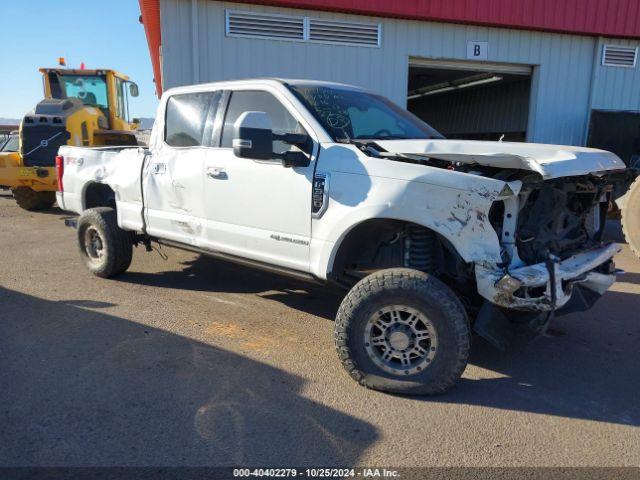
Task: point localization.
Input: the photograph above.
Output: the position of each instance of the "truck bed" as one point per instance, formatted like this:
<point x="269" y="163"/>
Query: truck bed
<point x="116" y="167"/>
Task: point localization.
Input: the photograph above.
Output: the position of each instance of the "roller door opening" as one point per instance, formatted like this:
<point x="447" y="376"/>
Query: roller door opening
<point x="471" y="100"/>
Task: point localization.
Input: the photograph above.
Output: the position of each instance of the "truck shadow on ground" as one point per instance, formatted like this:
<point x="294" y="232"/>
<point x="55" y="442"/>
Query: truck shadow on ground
<point x="55" y="210"/>
<point x="629" y="277"/>
<point x="206" y="274"/>
<point x="80" y="387"/>
<point x="588" y="369"/>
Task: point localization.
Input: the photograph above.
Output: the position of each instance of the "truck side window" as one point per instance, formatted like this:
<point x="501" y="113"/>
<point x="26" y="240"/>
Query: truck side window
<point x="247" y="100"/>
<point x="186" y="118"/>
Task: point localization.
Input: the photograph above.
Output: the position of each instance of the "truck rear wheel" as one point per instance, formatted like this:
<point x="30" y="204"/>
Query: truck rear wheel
<point x="29" y="199"/>
<point x="105" y="248"/>
<point x="402" y="330"/>
<point x="631" y="218"/>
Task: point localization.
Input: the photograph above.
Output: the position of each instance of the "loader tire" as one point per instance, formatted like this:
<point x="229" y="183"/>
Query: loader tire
<point x="631" y="218"/>
<point x="105" y="248"/>
<point x="402" y="330"/>
<point x="29" y="199"/>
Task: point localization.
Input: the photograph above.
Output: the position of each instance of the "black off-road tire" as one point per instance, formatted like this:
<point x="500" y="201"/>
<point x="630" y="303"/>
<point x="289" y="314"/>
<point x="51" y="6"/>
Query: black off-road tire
<point x="116" y="244"/>
<point x="422" y="292"/>
<point x="631" y="218"/>
<point x="29" y="199"/>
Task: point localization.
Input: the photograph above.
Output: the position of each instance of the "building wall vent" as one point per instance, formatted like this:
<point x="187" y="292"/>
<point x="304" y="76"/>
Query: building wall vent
<point x="249" y="24"/>
<point x="361" y="34"/>
<point x="619" y="56"/>
<point x="302" y="29"/>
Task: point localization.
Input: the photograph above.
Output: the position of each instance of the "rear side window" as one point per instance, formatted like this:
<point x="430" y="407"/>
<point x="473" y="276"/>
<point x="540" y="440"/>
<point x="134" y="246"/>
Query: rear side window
<point x="186" y="118"/>
<point x="247" y="100"/>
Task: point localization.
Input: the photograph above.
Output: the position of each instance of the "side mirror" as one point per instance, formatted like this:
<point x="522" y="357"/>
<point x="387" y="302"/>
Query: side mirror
<point x="253" y="136"/>
<point x="136" y="120"/>
<point x="133" y="89"/>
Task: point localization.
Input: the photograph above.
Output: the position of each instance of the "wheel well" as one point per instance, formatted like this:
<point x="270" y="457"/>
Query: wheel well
<point x="99" y="195"/>
<point x="386" y="243"/>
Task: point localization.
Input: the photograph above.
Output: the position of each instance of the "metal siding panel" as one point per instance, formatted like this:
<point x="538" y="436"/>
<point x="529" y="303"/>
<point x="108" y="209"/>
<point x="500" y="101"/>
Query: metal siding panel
<point x="175" y="22"/>
<point x="561" y="86"/>
<point x="561" y="80"/>
<point x="616" y="88"/>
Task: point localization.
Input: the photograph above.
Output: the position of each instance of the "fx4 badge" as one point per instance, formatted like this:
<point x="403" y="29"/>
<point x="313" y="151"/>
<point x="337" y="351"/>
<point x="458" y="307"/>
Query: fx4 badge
<point x="319" y="194"/>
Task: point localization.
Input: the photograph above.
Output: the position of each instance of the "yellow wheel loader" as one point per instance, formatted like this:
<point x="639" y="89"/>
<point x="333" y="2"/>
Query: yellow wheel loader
<point x="80" y="107"/>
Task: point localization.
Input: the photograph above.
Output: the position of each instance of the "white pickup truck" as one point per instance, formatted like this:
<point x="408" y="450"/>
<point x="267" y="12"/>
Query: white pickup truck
<point x="331" y="183"/>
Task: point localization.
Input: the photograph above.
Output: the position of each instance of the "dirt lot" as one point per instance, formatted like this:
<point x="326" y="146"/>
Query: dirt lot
<point x="190" y="361"/>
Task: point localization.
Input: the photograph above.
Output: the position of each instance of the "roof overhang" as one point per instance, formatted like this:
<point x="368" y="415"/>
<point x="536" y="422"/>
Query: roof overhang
<point x="150" y="16"/>
<point x="609" y="18"/>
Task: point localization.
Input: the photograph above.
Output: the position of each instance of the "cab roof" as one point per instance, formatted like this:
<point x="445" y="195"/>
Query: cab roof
<point x="273" y="81"/>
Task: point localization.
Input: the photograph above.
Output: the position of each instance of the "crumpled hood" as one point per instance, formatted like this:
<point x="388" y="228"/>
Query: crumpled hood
<point x="550" y="161"/>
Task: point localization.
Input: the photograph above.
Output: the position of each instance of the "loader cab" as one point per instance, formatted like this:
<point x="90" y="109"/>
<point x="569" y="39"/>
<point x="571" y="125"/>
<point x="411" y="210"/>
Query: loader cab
<point x="105" y="90"/>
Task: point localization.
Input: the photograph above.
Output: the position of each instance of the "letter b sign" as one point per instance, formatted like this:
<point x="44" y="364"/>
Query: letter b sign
<point x="477" y="50"/>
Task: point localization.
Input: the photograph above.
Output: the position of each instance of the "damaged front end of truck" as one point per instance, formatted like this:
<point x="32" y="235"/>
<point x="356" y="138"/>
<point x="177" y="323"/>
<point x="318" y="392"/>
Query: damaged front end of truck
<point x="549" y="221"/>
<point x="556" y="260"/>
<point x="552" y="241"/>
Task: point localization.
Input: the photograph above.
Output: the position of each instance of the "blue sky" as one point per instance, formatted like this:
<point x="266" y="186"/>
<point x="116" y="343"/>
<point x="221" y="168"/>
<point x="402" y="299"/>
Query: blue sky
<point x="102" y="34"/>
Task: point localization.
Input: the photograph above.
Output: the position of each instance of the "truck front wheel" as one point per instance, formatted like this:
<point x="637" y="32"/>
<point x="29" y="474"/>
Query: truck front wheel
<point x="105" y="248"/>
<point x="402" y="330"/>
<point x="29" y="199"/>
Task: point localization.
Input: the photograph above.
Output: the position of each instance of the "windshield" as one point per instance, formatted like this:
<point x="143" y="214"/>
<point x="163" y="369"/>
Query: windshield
<point x="91" y="89"/>
<point x="352" y="114"/>
<point x="10" y="145"/>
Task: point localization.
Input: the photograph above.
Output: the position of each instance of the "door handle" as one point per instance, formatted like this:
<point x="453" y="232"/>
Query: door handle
<point x="216" y="172"/>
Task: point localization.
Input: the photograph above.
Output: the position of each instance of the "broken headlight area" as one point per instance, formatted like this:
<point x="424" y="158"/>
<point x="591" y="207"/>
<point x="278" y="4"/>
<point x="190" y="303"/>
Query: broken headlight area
<point x="561" y="217"/>
<point x="554" y="259"/>
<point x="558" y="217"/>
<point x="552" y="247"/>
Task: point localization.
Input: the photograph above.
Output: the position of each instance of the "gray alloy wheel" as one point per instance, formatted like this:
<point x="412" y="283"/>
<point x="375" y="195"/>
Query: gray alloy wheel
<point x="400" y="340"/>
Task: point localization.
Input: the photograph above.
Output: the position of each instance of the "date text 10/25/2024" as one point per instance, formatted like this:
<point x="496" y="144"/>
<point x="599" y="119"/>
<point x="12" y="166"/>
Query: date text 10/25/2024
<point x="316" y="472"/>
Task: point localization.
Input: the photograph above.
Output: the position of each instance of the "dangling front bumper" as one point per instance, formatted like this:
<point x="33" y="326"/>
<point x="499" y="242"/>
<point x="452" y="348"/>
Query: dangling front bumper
<point x="548" y="286"/>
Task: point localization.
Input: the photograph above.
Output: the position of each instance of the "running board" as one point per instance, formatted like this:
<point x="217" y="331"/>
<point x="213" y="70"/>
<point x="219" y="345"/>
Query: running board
<point x="307" y="277"/>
